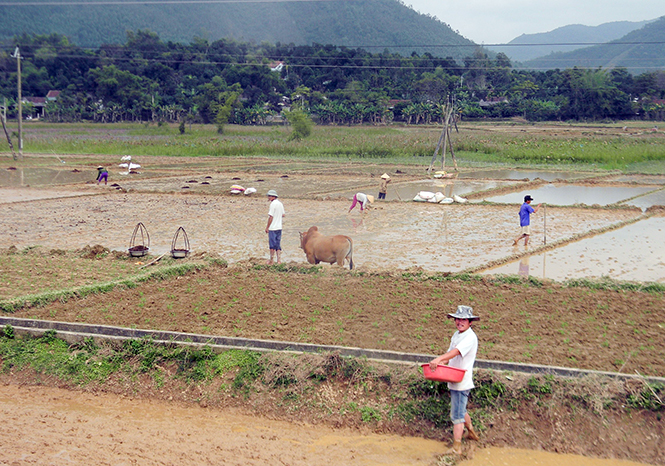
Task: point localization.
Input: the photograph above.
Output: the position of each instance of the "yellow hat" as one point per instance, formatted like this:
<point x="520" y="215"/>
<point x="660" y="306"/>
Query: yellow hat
<point x="370" y="198"/>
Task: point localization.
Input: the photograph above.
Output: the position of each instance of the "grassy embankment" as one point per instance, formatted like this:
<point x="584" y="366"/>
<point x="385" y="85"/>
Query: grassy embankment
<point x="554" y="145"/>
<point x="322" y="388"/>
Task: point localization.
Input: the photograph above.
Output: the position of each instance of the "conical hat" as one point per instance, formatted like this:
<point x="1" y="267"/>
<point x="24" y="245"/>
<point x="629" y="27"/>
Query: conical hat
<point x="370" y="198"/>
<point x="385" y="176"/>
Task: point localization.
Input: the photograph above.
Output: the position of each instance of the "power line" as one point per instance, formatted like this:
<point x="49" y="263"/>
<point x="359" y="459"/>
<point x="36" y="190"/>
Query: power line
<point x="365" y="46"/>
<point x="589" y="63"/>
<point x="154" y="2"/>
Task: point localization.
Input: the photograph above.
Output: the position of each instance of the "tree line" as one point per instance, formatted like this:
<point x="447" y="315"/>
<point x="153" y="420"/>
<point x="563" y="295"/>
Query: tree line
<point x="227" y="81"/>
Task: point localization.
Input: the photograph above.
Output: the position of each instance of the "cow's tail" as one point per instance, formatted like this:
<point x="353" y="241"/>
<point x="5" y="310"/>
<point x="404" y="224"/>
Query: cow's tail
<point x="350" y="253"/>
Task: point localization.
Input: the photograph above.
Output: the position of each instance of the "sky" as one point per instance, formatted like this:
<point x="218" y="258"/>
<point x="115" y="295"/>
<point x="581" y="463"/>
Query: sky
<point x="500" y="21"/>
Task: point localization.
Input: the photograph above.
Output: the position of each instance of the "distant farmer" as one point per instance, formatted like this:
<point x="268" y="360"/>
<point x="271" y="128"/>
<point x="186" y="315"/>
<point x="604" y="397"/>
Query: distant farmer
<point x="361" y="199"/>
<point x="525" y="219"/>
<point x="102" y="174"/>
<point x="461" y="354"/>
<point x="274" y="227"/>
<point x="383" y="187"/>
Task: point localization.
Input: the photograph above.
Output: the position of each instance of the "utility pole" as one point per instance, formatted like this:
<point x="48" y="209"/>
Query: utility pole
<point x="17" y="54"/>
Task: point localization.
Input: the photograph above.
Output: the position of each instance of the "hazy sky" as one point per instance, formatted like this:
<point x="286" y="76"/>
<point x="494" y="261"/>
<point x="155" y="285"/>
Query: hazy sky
<point x="500" y="21"/>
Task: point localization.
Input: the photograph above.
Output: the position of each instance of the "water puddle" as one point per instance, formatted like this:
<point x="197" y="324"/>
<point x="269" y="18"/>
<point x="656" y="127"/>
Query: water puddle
<point x="522" y="175"/>
<point x="643" y="179"/>
<point x="632" y="253"/>
<point x="648" y="200"/>
<point x="573" y="194"/>
<point x="494" y="456"/>
<point x="44" y="176"/>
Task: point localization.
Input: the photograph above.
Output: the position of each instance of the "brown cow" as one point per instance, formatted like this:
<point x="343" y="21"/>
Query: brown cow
<point x="331" y="249"/>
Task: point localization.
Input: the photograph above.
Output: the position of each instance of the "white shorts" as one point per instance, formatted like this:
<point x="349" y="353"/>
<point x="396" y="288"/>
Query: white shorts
<point x="526" y="230"/>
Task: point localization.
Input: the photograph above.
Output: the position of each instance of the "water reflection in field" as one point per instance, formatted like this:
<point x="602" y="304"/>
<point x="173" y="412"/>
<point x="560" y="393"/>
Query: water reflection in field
<point x="494" y="456"/>
<point x="648" y="200"/>
<point x="524" y="175"/>
<point x="632" y="253"/>
<point x="44" y="176"/>
<point x="573" y="194"/>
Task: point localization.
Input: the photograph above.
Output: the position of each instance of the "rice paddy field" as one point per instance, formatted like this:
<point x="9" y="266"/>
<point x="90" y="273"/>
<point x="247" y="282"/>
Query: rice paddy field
<point x="585" y="293"/>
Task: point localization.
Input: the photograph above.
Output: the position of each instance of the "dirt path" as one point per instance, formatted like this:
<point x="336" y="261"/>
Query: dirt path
<point x="49" y="425"/>
<point x="55" y="426"/>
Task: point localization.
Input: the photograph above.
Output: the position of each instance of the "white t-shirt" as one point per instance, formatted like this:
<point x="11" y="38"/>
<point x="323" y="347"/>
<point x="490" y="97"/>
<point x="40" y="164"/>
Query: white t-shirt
<point x="467" y="344"/>
<point x="276" y="212"/>
<point x="362" y="197"/>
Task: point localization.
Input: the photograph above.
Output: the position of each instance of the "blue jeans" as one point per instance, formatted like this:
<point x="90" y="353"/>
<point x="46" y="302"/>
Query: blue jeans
<point x="458" y="400"/>
<point x="275" y="239"/>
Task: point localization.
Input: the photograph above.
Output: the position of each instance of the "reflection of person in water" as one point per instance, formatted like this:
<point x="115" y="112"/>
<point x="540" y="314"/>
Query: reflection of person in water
<point x="357" y="224"/>
<point x="524" y="267"/>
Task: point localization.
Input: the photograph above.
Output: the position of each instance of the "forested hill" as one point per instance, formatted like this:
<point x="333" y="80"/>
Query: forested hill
<point x="639" y="51"/>
<point x="377" y="23"/>
<point x="571" y="34"/>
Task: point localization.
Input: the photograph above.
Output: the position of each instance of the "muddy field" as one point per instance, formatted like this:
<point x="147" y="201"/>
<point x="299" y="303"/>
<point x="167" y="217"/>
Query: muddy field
<point x="375" y="306"/>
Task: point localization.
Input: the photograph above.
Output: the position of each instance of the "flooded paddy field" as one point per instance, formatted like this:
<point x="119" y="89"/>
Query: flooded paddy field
<point x="633" y="253"/>
<point x="390" y="235"/>
<point x="526" y="175"/>
<point x="393" y="234"/>
<point x="571" y="194"/>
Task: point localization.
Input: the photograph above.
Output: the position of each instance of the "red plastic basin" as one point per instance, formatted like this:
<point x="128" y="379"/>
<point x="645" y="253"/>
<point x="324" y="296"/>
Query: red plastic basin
<point x="443" y="373"/>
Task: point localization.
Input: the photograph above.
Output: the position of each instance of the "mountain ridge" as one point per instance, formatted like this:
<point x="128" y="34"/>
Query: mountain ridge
<point x="638" y="51"/>
<point x="572" y="33"/>
<point x="372" y="24"/>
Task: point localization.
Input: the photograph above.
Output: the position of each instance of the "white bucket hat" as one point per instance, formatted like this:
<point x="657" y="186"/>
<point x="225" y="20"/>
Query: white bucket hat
<point x="273" y="193"/>
<point x="464" y="312"/>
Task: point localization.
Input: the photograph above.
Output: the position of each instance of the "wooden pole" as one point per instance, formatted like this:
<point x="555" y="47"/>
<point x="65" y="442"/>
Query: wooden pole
<point x="544" y="224"/>
<point x="436" y="151"/>
<point x="446" y="138"/>
<point x="452" y="152"/>
<point x="20" y="104"/>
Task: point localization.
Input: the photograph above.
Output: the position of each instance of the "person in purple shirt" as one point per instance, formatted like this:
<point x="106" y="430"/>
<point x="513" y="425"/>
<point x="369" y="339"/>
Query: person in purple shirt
<point x="525" y="219"/>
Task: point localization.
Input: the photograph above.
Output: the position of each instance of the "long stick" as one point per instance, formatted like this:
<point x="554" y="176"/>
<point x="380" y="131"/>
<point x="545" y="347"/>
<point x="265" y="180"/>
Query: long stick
<point x="9" y="140"/>
<point x="150" y="263"/>
<point x="544" y="224"/>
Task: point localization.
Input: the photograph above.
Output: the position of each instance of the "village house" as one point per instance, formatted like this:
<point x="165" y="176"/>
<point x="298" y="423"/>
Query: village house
<point x="491" y="101"/>
<point x="35" y="107"/>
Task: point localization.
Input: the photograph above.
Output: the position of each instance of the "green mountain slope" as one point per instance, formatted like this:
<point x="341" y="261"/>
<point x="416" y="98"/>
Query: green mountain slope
<point x="375" y="24"/>
<point x="571" y="34"/>
<point x="639" y="51"/>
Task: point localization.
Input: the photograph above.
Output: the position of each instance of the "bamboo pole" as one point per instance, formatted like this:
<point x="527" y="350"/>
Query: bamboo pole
<point x="9" y="139"/>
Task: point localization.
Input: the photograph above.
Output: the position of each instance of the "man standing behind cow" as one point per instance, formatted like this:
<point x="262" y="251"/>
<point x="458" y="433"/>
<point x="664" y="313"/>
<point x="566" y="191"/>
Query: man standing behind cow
<point x="274" y="227"/>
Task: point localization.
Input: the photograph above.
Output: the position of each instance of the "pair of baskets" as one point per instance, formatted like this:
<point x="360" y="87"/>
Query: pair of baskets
<point x="140" y="242"/>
